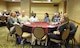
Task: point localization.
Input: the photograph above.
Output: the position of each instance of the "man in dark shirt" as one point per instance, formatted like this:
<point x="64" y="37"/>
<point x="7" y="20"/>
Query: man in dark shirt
<point x="71" y="34"/>
<point x="64" y="21"/>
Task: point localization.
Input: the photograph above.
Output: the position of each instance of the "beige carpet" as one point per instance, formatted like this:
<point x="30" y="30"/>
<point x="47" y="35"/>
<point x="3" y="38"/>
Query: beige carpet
<point x="11" y="42"/>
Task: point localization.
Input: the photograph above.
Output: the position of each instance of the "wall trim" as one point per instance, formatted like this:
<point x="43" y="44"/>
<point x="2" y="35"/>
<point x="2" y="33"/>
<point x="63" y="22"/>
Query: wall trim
<point x="75" y="21"/>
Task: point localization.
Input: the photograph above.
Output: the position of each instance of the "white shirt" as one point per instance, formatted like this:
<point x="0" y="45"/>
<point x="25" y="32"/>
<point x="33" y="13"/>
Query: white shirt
<point x="23" y="19"/>
<point x="0" y="14"/>
<point x="34" y="19"/>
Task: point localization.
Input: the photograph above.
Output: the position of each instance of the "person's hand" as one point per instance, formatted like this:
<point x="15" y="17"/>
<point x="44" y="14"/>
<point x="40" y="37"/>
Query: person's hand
<point x="15" y="23"/>
<point x="56" y="32"/>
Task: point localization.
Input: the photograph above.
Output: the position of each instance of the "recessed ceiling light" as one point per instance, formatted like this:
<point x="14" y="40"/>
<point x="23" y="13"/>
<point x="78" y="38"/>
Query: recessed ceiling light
<point x="49" y="0"/>
<point x="16" y="0"/>
<point x="13" y="0"/>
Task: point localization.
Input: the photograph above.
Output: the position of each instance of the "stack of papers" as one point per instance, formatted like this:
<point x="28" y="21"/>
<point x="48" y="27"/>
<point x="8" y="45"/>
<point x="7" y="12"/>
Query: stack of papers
<point x="51" y="26"/>
<point x="27" y="23"/>
<point x="54" y="22"/>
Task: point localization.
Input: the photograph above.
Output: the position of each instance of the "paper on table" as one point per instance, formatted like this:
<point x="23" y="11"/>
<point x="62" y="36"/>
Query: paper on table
<point x="27" y="23"/>
<point x="16" y="23"/>
<point x="51" y="26"/>
<point x="54" y="22"/>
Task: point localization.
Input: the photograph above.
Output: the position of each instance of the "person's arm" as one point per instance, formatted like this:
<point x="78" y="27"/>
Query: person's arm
<point x="72" y="27"/>
<point x="56" y="32"/>
<point x="48" y="20"/>
<point x="61" y="29"/>
<point x="52" y="18"/>
<point x="10" y="21"/>
<point x="19" y="19"/>
<point x="28" y="19"/>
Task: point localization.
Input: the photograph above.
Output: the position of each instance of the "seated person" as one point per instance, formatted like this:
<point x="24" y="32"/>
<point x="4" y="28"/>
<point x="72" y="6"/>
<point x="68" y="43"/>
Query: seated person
<point x="23" y="18"/>
<point x="46" y="18"/>
<point x="57" y="34"/>
<point x="11" y="22"/>
<point x="56" y="18"/>
<point x="72" y="32"/>
<point x="17" y="13"/>
<point x="0" y="14"/>
<point x="5" y="13"/>
<point x="33" y="18"/>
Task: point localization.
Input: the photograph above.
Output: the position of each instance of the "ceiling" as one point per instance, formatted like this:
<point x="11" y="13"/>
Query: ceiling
<point x="11" y="0"/>
<point x="53" y="1"/>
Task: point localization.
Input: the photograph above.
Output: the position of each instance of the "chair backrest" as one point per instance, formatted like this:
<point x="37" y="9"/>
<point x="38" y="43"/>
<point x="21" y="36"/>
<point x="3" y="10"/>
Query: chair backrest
<point x="66" y="33"/>
<point x="3" y="18"/>
<point x="18" y="30"/>
<point x="39" y="32"/>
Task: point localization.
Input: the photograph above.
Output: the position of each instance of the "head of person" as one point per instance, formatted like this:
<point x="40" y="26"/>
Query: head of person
<point x="57" y="14"/>
<point x="34" y="15"/>
<point x="46" y="15"/>
<point x="65" y="14"/>
<point x="64" y="19"/>
<point x="23" y="13"/>
<point x="5" y="10"/>
<point x="13" y="14"/>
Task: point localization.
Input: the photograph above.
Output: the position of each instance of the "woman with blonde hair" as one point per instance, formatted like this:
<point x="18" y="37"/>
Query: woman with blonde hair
<point x="64" y="21"/>
<point x="12" y="20"/>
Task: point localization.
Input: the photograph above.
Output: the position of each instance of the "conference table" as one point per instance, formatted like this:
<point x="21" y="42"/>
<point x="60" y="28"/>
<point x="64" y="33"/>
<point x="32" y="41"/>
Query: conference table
<point x="28" y="27"/>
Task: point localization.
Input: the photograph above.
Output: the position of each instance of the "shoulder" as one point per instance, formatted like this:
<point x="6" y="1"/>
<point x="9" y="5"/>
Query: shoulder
<point x="11" y="17"/>
<point x="19" y="16"/>
<point x="31" y="17"/>
<point x="36" y="17"/>
<point x="63" y="25"/>
<point x="70" y="22"/>
<point x="47" y="17"/>
<point x="26" y="16"/>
